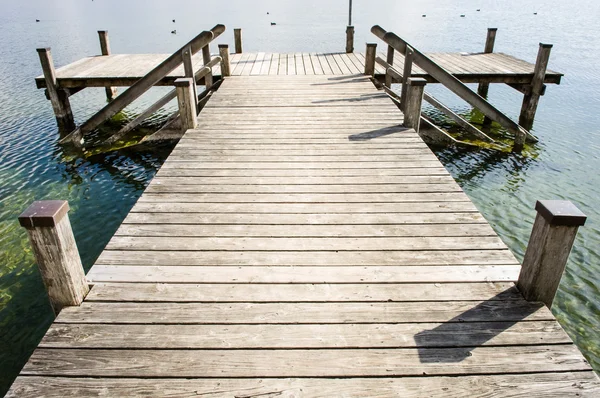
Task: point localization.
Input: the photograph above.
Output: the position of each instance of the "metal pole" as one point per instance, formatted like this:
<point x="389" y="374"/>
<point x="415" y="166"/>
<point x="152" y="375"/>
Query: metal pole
<point x="350" y="14"/>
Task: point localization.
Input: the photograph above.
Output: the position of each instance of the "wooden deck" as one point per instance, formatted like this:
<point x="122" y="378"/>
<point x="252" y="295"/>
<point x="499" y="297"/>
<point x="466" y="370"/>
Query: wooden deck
<point x="126" y="69"/>
<point x="301" y="243"/>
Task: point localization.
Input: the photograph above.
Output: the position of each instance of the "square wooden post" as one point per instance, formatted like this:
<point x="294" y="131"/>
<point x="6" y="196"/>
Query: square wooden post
<point x="532" y="98"/>
<point x="349" y="39"/>
<point x="370" y="59"/>
<point x="225" y="64"/>
<point x="208" y="79"/>
<point x="390" y="61"/>
<point x="408" y="61"/>
<point x="55" y="250"/>
<point x="111" y="92"/>
<point x="483" y="88"/>
<point x="237" y="38"/>
<point x="188" y="68"/>
<point x="413" y="103"/>
<point x="58" y="97"/>
<point x="187" y="102"/>
<point x="551" y="240"/>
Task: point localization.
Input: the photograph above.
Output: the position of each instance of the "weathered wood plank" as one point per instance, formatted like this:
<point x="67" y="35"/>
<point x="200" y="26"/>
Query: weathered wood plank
<point x="192" y="337"/>
<point x="551" y="385"/>
<point x="305" y="313"/>
<point x="305" y="274"/>
<point x="256" y="293"/>
<point x="294" y="363"/>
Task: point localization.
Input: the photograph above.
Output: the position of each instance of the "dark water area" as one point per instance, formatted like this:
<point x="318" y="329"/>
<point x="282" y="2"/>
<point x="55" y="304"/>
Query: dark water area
<point x="565" y="163"/>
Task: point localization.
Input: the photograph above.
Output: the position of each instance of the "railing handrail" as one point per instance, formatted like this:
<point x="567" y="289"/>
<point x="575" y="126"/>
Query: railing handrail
<point x="144" y="84"/>
<point x="452" y="83"/>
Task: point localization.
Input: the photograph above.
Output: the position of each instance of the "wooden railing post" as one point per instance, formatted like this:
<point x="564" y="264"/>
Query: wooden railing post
<point x="111" y="92"/>
<point x="55" y="250"/>
<point x="414" y="100"/>
<point x="349" y="39"/>
<point x="208" y="79"/>
<point x="58" y="97"/>
<point x="370" y="55"/>
<point x="187" y="103"/>
<point x="188" y="67"/>
<point x="483" y="88"/>
<point x="225" y="65"/>
<point x="237" y="38"/>
<point x="551" y="240"/>
<point x="532" y="98"/>
<point x="390" y="61"/>
<point x="406" y="73"/>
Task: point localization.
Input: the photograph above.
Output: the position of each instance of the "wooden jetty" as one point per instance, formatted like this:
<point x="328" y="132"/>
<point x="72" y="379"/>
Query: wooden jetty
<point x="302" y="240"/>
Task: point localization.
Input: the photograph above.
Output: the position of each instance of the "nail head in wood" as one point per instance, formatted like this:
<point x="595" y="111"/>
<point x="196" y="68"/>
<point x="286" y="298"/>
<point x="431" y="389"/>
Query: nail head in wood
<point x="560" y="212"/>
<point x="46" y="213"/>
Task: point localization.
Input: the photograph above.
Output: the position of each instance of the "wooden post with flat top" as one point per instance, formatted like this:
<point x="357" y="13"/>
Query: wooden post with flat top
<point x="187" y="103"/>
<point x="483" y="88"/>
<point x="551" y="240"/>
<point x="349" y="39"/>
<point x="370" y="55"/>
<point x="111" y="92"/>
<point x="208" y="79"/>
<point x="532" y="98"/>
<point x="55" y="250"/>
<point x="413" y="103"/>
<point x="58" y="97"/>
<point x="225" y="64"/>
<point x="237" y="38"/>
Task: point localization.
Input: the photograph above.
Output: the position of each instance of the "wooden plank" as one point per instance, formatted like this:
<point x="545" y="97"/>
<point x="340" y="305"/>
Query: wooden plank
<point x="307" y="230"/>
<point x="182" y="164"/>
<point x="305" y="218"/>
<point x="258" y="64"/>
<point x="294" y="363"/>
<point x="366" y="182"/>
<point x="581" y="384"/>
<point x="308" y="66"/>
<point x="316" y="63"/>
<point x="266" y="65"/>
<point x="305" y="274"/>
<point x="274" y="68"/>
<point x="200" y="172"/>
<point x="305" y="313"/>
<point x="291" y="64"/>
<point x="192" y="337"/>
<point x="300" y="67"/>
<point x="333" y="64"/>
<point x="230" y="293"/>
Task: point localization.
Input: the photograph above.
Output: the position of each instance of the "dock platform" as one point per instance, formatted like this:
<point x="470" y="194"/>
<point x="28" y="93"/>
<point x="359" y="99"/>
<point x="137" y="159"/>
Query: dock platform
<point x="126" y="69"/>
<point x="300" y="242"/>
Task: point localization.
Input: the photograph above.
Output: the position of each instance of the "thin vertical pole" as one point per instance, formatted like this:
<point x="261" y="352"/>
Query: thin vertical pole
<point x="408" y="61"/>
<point x="350" y="13"/>
<point x="390" y="61"/>
<point x="111" y="92"/>
<point x="188" y="68"/>
<point x="483" y="88"/>
<point x="208" y="79"/>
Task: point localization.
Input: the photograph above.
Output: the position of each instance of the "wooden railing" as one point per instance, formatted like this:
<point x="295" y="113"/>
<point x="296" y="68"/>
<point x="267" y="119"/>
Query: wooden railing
<point x="181" y="56"/>
<point x="414" y="56"/>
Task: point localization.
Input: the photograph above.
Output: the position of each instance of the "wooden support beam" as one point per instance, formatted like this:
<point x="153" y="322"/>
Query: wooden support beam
<point x="142" y="85"/>
<point x="390" y="60"/>
<point x="55" y="250"/>
<point x="551" y="240"/>
<point x="225" y="64"/>
<point x="525" y="89"/>
<point x="370" y="55"/>
<point x="187" y="103"/>
<point x="453" y="84"/>
<point x="408" y="61"/>
<point x="483" y="88"/>
<point x="111" y="92"/>
<point x="413" y="103"/>
<point x="208" y="79"/>
<point x="237" y="38"/>
<point x="188" y="67"/>
<point x="58" y="97"/>
<point x="349" y="39"/>
<point x="531" y="100"/>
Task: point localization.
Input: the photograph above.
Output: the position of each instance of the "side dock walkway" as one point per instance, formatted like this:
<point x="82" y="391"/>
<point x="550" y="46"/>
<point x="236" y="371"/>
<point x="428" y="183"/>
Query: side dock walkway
<point x="300" y="242"/>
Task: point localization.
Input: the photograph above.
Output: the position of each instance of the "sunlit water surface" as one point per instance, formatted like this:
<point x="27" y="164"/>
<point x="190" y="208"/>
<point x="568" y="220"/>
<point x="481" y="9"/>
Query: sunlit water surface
<point x="102" y="189"/>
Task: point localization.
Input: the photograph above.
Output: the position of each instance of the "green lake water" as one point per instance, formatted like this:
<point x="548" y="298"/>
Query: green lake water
<point x="565" y="163"/>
